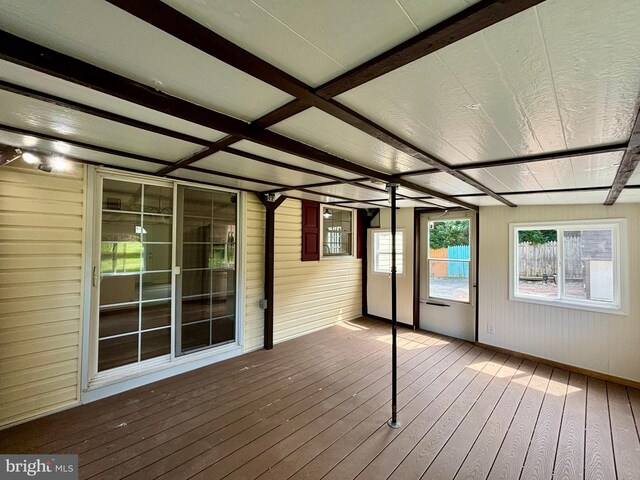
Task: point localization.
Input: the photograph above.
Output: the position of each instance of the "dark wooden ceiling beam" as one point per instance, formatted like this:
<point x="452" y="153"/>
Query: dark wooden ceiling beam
<point x="97" y="112"/>
<point x="31" y="55"/>
<point x="542" y="157"/>
<point x="628" y="165"/>
<point x="79" y="144"/>
<point x="182" y="27"/>
<point x="467" y="22"/>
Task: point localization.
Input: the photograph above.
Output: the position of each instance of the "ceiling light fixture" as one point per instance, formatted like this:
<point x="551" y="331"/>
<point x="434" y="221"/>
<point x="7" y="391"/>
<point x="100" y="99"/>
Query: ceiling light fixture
<point x="327" y="213"/>
<point x="30" y="158"/>
<point x="59" y="164"/>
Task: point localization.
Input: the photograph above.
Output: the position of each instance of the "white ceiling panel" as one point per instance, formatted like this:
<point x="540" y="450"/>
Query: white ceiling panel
<point x="26" y="77"/>
<point x="593" y="52"/>
<point x="562" y="75"/>
<point x="629" y="195"/>
<point x="317" y="41"/>
<point x="350" y="191"/>
<point x="356" y="205"/>
<point x="577" y="172"/>
<point x="104" y="35"/>
<point x="585" y="171"/>
<point x="321" y="130"/>
<point x="311" y="196"/>
<point x="273" y="154"/>
<point x="190" y="175"/>
<point x="559" y="198"/>
<point x="510" y="178"/>
<point x="28" y="142"/>
<point x="43" y="117"/>
<point x="229" y="163"/>
<point x="443" y="182"/>
<point x="483" y="201"/>
<point x="408" y="203"/>
<point x="442" y="203"/>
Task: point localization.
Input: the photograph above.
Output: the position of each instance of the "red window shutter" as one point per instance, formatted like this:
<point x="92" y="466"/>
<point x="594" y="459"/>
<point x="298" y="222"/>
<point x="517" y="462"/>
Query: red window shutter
<point x="310" y="231"/>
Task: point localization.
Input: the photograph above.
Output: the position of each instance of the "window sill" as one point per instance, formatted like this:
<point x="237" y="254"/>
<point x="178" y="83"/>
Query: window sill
<point x="612" y="310"/>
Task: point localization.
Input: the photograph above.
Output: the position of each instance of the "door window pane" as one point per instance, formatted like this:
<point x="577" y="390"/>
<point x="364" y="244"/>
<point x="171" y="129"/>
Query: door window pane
<point x="207" y="253"/>
<point x="117" y="352"/>
<point x="155" y="343"/>
<point x="449" y="257"/>
<point x="132" y="245"/>
<point x="156" y="314"/>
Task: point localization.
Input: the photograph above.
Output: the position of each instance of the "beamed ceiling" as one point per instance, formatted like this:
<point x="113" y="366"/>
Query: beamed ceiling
<point x="461" y="103"/>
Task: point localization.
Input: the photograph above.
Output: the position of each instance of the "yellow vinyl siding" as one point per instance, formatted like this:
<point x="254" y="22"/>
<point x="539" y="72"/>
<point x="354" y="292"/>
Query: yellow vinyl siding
<point x="308" y="295"/>
<point x="254" y="274"/>
<point x="41" y="258"/>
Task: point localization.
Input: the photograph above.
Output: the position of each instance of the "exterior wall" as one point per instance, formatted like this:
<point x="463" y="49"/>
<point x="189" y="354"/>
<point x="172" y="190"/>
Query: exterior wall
<point x="308" y="295"/>
<point x="597" y="341"/>
<point x="254" y="274"/>
<point x="41" y="258"/>
<point x="379" y="285"/>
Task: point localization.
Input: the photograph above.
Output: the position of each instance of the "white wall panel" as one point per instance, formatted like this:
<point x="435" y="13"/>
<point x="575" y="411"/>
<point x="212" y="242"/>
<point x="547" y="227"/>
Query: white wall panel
<point x="104" y="35"/>
<point x="596" y="341"/>
<point x="41" y="237"/>
<point x="379" y="284"/>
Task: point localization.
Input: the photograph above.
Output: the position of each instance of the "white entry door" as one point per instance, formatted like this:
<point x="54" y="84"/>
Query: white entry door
<point x="447" y="273"/>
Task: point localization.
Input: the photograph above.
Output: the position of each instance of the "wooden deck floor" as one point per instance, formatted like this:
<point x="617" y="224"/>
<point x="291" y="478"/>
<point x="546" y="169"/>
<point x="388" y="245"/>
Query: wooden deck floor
<point x="316" y="407"/>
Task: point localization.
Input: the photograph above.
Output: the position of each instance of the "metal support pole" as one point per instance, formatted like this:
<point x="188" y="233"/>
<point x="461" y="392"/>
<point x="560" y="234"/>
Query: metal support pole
<point x="393" y="421"/>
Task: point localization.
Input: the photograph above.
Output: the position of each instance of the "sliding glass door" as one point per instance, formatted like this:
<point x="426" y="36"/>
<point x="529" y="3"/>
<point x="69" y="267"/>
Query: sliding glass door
<point x="135" y="273"/>
<point x="206" y="290"/>
<point x="165" y="281"/>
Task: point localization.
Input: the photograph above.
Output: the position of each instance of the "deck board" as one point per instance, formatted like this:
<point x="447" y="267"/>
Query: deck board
<point x="316" y="407"/>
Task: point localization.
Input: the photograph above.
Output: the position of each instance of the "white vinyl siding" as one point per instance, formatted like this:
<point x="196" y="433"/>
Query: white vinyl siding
<point x="598" y="341"/>
<point x="41" y="257"/>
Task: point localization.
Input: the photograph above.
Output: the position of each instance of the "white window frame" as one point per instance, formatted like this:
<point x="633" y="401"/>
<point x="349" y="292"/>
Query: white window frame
<point x="618" y="226"/>
<point x="374" y="271"/>
<point x="354" y="234"/>
<point x="94" y="384"/>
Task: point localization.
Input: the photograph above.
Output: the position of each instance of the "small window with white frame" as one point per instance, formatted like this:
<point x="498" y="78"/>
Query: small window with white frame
<point x="572" y="264"/>
<point x="382" y="251"/>
<point x="337" y="232"/>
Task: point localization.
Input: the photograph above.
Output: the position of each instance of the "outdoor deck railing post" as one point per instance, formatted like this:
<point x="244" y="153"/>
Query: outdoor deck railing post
<point x="393" y="421"/>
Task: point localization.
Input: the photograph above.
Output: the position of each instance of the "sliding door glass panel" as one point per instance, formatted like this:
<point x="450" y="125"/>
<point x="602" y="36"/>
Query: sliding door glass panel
<point x="207" y="283"/>
<point x="449" y="256"/>
<point x="134" y="321"/>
